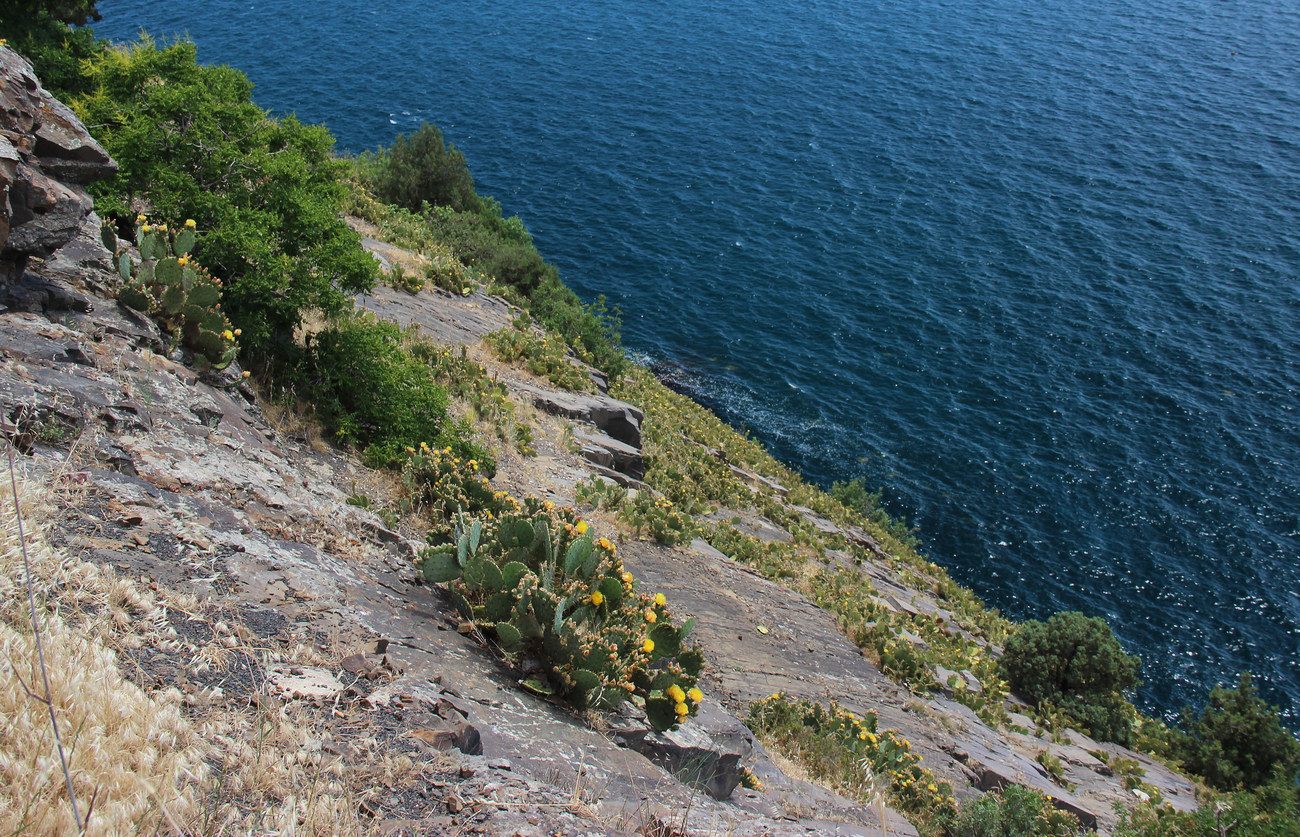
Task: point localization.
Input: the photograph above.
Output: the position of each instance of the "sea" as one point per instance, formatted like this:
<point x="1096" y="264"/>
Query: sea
<point x="1029" y="268"/>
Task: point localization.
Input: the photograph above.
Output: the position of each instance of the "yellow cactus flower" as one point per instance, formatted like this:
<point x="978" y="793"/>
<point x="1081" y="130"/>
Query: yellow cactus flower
<point x="863" y="735"/>
<point x="604" y="543"/>
<point x="695" y="694"/>
<point x="597" y="598"/>
<point x="228" y="334"/>
<point x="581" y="528"/>
<point x="189" y="223"/>
<point x="648" y="646"/>
<point x="472" y="464"/>
<point x="650" y="616"/>
<point x="661" y="599"/>
<point x="675" y="692"/>
<point x="146" y="228"/>
<point x="682" y="710"/>
<point x="627" y="578"/>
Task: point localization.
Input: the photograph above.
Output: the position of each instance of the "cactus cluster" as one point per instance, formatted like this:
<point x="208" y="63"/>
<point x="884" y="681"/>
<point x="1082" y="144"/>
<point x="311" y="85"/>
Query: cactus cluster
<point x="542" y="588"/>
<point x="169" y="286"/>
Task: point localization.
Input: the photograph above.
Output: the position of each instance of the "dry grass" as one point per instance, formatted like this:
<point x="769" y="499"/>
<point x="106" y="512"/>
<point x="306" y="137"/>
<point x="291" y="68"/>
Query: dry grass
<point x="183" y="759"/>
<point x="135" y="763"/>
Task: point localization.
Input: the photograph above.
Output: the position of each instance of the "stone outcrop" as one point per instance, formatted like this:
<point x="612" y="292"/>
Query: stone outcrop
<point x="46" y="156"/>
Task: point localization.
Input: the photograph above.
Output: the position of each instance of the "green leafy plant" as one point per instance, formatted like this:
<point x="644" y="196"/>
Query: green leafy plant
<point x="1075" y="663"/>
<point x="372" y="393"/>
<point x="657" y="518"/>
<point x="180" y="295"/>
<point x="835" y="746"/>
<point x="190" y="143"/>
<point x="538" y="585"/>
<point x="1237" y="740"/>
<point x="1012" y="812"/>
<point x="441" y="484"/>
<point x="542" y="354"/>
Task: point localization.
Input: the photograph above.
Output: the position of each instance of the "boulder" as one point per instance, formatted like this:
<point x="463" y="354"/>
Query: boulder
<point x="46" y="157"/>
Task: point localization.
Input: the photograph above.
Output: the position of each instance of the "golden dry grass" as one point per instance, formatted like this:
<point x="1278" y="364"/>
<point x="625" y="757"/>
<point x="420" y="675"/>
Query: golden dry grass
<point x="135" y="762"/>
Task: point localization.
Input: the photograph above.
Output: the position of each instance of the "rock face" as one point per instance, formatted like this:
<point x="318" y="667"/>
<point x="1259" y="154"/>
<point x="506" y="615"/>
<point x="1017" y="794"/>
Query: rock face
<point x="46" y="155"/>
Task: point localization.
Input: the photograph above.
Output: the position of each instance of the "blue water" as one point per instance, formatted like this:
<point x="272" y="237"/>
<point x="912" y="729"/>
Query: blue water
<point x="1029" y="266"/>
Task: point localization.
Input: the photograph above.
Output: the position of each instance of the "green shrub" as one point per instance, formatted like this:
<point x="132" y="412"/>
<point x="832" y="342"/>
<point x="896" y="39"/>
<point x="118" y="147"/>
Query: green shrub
<point x="1270" y="811"/>
<point x="1237" y="740"/>
<point x="544" y="354"/>
<point x="421" y="168"/>
<point x="658" y="518"/>
<point x="842" y="750"/>
<point x="49" y="34"/>
<point x="1013" y="812"/>
<point x="536" y="583"/>
<point x="1075" y="663"/>
<point x="191" y="143"/>
<point x="373" y="394"/>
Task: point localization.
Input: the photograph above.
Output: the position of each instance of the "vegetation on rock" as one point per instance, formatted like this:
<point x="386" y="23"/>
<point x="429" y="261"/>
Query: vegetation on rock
<point x="531" y="577"/>
<point x="1075" y="663"/>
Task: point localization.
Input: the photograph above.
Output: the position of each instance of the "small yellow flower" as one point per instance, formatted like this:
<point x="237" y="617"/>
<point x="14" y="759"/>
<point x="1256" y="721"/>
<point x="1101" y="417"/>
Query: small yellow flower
<point x="581" y="528"/>
<point x="675" y="692"/>
<point x="145" y="228"/>
<point x="182" y="261"/>
<point x="627" y="578"/>
<point x="548" y="505"/>
<point x="247" y="373"/>
<point x="648" y="646"/>
<point x="682" y="710"/>
<point x="661" y="599"/>
<point x="597" y="598"/>
<point x="228" y="334"/>
<point x="930" y="787"/>
<point x="604" y="543"/>
<point x="650" y="616"/>
<point x="695" y="694"/>
<point x="863" y="735"/>
<point x="189" y="223"/>
<point x="473" y="464"/>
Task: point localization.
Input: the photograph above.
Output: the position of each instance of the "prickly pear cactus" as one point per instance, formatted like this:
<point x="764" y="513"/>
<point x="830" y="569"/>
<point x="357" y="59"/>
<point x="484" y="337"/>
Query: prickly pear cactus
<point x="169" y="286"/>
<point x="537" y="584"/>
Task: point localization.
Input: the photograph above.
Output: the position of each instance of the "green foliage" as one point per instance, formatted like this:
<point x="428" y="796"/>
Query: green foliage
<point x="835" y="745"/>
<point x="535" y="582"/>
<point x="658" y="519"/>
<point x="441" y="484"/>
<point x="1013" y="812"/>
<point x="1237" y="740"/>
<point x="373" y="394"/>
<point x="422" y="168"/>
<point x="1272" y="810"/>
<point x="398" y="278"/>
<point x="170" y="287"/>
<point x="43" y="31"/>
<point x="543" y="354"/>
<point x="190" y="143"/>
<point x="1075" y="663"/>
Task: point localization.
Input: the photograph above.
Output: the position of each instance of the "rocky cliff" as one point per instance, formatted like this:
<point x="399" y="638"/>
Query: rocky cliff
<point x="275" y="593"/>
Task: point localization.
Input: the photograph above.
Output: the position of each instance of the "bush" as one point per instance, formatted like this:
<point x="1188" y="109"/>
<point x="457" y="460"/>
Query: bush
<point x="43" y="31"/>
<point x="1270" y="811"/>
<point x="373" y="394"/>
<point x="422" y="168"/>
<point x="1237" y="741"/>
<point x="191" y="143"/>
<point x="1013" y="812"/>
<point x="1075" y="663"/>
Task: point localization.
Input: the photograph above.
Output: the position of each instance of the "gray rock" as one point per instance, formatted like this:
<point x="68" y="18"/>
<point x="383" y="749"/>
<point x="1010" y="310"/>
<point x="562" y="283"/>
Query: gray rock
<point x="617" y="419"/>
<point x="610" y="453"/>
